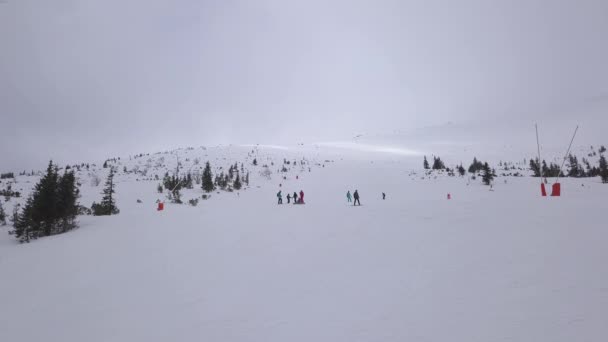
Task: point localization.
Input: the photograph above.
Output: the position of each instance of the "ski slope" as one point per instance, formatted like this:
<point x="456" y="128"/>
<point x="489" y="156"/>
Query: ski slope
<point x="502" y="265"/>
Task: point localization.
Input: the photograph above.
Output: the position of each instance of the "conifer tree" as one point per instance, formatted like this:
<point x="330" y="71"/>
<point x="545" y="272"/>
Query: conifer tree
<point x="535" y="167"/>
<point x="475" y="166"/>
<point x="461" y="170"/>
<point x="67" y="208"/>
<point x="45" y="202"/>
<point x="2" y="215"/>
<point x="230" y="172"/>
<point x="438" y="164"/>
<point x="255" y="162"/>
<point x="425" y="164"/>
<point x="603" y="169"/>
<point x="237" y="182"/>
<point x="207" y="178"/>
<point x="108" y="203"/>
<point x="488" y="174"/>
<point x="575" y="170"/>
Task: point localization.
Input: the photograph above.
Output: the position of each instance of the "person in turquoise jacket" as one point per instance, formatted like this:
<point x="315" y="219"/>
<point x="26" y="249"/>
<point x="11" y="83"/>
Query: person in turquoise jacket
<point x="349" y="197"/>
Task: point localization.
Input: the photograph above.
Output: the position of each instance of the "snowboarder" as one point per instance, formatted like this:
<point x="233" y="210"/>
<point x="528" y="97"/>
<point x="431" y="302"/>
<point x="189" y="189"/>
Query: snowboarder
<point x="295" y="197"/>
<point x="280" y="197"/>
<point x="288" y="198"/>
<point x="383" y="196"/>
<point x="301" y="197"/>
<point x="349" y="196"/>
<point x="356" y="195"/>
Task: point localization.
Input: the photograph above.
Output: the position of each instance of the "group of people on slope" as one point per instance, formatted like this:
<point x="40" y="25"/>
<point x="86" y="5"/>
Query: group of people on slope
<point x="355" y="195"/>
<point x="296" y="199"/>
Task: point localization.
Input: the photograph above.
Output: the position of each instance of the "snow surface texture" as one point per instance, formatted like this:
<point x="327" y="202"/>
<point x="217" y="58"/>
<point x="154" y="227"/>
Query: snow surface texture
<point x="502" y="265"/>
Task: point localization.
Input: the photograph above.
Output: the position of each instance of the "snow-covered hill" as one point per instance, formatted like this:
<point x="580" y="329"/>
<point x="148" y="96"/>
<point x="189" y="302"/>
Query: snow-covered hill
<point x="485" y="265"/>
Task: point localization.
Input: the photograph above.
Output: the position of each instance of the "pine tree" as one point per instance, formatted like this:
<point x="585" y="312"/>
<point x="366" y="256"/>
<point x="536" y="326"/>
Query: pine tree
<point x="461" y="170"/>
<point x="575" y="169"/>
<point x="108" y="203"/>
<point x="425" y="164"/>
<point x="475" y="166"/>
<point x="255" y="162"/>
<point x="247" y="178"/>
<point x="159" y="188"/>
<point x="44" y="209"/>
<point x="535" y="167"/>
<point x="230" y="172"/>
<point x="237" y="182"/>
<point x="24" y="227"/>
<point x="488" y="174"/>
<point x="603" y="169"/>
<point x="207" y="178"/>
<point x="438" y="164"/>
<point x="67" y="208"/>
<point x="2" y="215"/>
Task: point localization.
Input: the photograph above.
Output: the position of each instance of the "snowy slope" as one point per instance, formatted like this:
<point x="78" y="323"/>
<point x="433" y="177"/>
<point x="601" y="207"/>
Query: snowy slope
<point x="503" y="265"/>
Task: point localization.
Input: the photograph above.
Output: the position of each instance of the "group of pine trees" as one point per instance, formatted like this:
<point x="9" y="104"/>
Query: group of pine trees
<point x="51" y="208"/>
<point x="437" y="164"/>
<point x="225" y="181"/>
<point x="7" y="175"/>
<point x="231" y="180"/>
<point x="574" y="168"/>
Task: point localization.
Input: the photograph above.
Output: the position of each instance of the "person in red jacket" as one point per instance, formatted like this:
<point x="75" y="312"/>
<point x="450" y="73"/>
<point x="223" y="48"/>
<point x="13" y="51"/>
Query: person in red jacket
<point x="301" y="196"/>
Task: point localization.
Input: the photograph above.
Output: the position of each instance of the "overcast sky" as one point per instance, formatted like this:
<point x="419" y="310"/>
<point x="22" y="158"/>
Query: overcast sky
<point x="87" y="79"/>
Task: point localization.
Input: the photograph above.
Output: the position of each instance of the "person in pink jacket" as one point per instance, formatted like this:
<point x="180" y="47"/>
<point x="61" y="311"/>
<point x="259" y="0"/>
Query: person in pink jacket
<point x="301" y="196"/>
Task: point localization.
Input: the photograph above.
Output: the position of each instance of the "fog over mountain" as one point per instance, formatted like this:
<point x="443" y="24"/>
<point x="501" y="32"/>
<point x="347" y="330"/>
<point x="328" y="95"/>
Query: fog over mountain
<point x="102" y="78"/>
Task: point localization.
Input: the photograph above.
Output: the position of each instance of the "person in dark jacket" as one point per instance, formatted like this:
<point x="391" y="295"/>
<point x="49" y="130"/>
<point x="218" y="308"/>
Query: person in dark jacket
<point x="288" y="198"/>
<point x="295" y="197"/>
<point x="383" y="196"/>
<point x="356" y="196"/>
<point x="280" y="197"/>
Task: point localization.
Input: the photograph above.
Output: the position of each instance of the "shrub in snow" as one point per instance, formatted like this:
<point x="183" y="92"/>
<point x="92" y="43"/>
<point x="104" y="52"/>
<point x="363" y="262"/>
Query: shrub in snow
<point x="193" y="202"/>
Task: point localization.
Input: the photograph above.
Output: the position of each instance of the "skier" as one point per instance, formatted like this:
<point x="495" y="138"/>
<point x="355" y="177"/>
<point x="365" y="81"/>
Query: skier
<point x="348" y="196"/>
<point x="280" y="197"/>
<point x="288" y="198"/>
<point x="383" y="196"/>
<point x="356" y="195"/>
<point x="301" y="197"/>
<point x="295" y="197"/>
